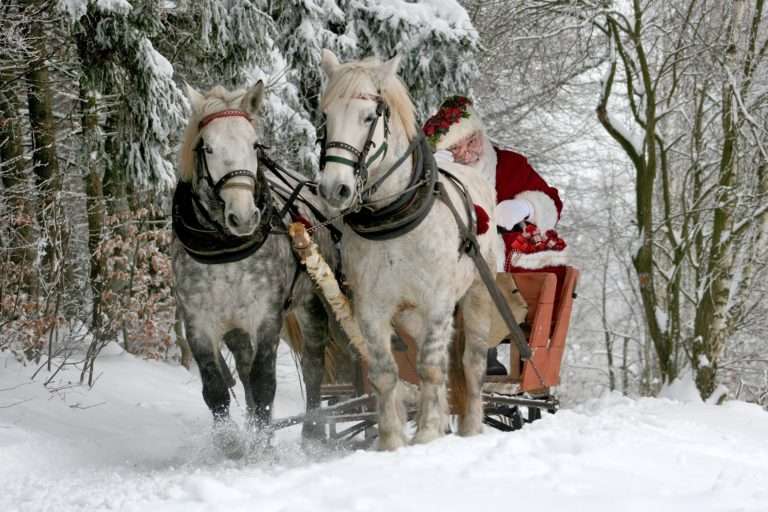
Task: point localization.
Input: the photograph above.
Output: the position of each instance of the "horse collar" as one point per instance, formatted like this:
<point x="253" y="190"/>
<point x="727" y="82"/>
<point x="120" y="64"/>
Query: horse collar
<point x="408" y="210"/>
<point x="205" y="240"/>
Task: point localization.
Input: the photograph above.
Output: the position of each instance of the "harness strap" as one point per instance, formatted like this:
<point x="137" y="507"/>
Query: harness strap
<point x="372" y="188"/>
<point x="281" y="173"/>
<point x="469" y="245"/>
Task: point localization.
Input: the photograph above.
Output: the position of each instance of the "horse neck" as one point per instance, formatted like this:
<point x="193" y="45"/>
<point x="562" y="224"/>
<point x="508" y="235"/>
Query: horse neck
<point x="398" y="181"/>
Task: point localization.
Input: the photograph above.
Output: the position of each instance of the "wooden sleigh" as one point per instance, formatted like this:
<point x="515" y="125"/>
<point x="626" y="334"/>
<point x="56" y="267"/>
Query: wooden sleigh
<point x="349" y="408"/>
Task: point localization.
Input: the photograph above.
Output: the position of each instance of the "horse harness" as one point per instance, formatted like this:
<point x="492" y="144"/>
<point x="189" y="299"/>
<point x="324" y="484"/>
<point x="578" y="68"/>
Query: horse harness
<point x="205" y="239"/>
<point x="413" y="204"/>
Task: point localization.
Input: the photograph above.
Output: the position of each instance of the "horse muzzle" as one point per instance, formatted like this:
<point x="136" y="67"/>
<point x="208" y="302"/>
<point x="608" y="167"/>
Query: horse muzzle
<point x="338" y="195"/>
<point x="242" y="224"/>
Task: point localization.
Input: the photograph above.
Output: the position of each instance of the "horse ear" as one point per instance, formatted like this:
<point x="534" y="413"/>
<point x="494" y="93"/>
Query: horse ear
<point x="329" y="62"/>
<point x="196" y="99"/>
<point x="251" y="102"/>
<point x="389" y="69"/>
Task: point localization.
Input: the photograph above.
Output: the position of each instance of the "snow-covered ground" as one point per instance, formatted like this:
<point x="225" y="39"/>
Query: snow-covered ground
<point x="139" y="441"/>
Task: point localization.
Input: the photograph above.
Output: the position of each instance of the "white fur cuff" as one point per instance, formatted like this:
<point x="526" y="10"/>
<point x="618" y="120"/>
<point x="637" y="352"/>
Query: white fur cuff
<point x="544" y="209"/>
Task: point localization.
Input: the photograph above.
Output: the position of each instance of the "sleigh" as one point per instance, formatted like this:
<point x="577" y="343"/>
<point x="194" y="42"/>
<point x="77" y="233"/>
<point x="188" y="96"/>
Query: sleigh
<point x="510" y="400"/>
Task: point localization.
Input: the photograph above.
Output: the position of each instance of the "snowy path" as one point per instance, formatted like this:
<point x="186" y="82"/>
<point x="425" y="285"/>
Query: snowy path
<point x="138" y="441"/>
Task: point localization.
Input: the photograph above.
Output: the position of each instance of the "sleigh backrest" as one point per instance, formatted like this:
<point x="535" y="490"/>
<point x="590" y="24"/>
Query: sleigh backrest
<point x="548" y="343"/>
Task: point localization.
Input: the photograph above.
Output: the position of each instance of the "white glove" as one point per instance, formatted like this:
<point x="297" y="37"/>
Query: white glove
<point x="444" y="154"/>
<point x="512" y="212"/>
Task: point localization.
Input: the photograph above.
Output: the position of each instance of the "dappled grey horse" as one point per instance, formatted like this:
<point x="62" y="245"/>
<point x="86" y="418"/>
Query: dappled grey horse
<point x="236" y="274"/>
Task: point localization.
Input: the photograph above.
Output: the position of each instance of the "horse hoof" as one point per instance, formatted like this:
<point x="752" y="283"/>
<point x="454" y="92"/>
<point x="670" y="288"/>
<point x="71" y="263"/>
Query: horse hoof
<point x="467" y="430"/>
<point x="426" y="435"/>
<point x="391" y="442"/>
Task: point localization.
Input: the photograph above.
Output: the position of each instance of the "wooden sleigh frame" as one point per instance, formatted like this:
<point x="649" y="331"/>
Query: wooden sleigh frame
<point x="350" y="408"/>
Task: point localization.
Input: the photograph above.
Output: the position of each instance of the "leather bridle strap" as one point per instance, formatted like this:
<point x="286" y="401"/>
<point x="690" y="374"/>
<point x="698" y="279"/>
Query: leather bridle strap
<point x="203" y="171"/>
<point x="223" y="113"/>
<point x="371" y="189"/>
<point x="360" y="165"/>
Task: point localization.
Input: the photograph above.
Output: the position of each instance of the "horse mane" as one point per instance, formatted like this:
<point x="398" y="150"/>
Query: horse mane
<point x="216" y="100"/>
<point x="346" y="82"/>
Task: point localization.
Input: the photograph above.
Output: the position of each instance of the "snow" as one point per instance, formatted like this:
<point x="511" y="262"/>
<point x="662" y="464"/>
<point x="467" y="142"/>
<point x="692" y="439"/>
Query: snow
<point x="117" y="6"/>
<point x="438" y="15"/>
<point x="139" y="441"/>
<point x="635" y="137"/>
<point x="683" y="389"/>
<point x="74" y="8"/>
<point x="77" y="8"/>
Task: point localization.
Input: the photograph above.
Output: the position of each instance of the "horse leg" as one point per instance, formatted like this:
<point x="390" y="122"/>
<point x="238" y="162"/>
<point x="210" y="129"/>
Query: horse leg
<point x="432" y="366"/>
<point x="314" y="326"/>
<point x="215" y="392"/>
<point x="263" y="380"/>
<point x="239" y="343"/>
<point x="382" y="371"/>
<point x="475" y="306"/>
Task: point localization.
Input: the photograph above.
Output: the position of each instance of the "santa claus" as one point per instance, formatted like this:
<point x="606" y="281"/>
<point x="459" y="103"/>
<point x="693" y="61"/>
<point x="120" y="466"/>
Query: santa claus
<point x="527" y="209"/>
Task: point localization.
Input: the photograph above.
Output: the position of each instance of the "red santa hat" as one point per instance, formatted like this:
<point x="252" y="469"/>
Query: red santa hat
<point x="454" y="121"/>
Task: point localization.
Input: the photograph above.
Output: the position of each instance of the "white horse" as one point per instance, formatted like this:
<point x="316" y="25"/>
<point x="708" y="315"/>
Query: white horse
<point x="417" y="278"/>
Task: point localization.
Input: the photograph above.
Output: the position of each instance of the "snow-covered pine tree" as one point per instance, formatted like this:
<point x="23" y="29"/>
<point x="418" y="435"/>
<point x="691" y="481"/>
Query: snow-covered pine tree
<point x="435" y="38"/>
<point x="148" y="104"/>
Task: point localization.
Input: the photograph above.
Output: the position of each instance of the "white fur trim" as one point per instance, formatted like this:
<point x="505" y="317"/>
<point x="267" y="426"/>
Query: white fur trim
<point x="539" y="260"/>
<point x="544" y="209"/>
<point x="457" y="131"/>
<point x="444" y="154"/>
<point x="488" y="161"/>
<point x="501" y="248"/>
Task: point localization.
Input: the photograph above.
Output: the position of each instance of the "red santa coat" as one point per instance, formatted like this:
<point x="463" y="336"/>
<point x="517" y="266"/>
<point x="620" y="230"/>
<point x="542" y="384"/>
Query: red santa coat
<point x="537" y="248"/>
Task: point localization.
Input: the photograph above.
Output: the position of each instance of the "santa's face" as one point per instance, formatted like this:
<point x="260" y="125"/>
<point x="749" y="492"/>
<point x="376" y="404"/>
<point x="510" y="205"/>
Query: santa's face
<point x="468" y="150"/>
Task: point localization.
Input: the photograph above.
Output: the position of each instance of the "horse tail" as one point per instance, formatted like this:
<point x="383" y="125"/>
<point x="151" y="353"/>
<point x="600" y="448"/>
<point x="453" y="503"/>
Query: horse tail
<point x="295" y="337"/>
<point x="334" y="350"/>
<point x="457" y="381"/>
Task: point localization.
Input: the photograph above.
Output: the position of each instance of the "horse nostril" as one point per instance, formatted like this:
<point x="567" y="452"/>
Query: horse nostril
<point x="343" y="191"/>
<point x="233" y="220"/>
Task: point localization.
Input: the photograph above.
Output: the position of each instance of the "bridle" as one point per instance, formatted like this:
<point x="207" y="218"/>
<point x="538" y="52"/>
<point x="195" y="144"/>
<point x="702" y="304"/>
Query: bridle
<point x="362" y="161"/>
<point x="203" y="173"/>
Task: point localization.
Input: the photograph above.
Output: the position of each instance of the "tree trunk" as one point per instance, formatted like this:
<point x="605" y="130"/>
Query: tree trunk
<point x="93" y="190"/>
<point x="12" y="170"/>
<point x="43" y="131"/>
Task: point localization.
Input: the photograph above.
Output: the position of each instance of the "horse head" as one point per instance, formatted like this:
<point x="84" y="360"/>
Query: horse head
<point x="368" y="116"/>
<point x="220" y="156"/>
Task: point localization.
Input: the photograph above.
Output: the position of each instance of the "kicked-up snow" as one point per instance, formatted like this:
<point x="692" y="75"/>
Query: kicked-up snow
<point x="139" y="440"/>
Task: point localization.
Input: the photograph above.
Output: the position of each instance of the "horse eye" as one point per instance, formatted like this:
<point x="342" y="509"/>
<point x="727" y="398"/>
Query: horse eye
<point x="370" y="118"/>
<point x="207" y="149"/>
<point x="256" y="145"/>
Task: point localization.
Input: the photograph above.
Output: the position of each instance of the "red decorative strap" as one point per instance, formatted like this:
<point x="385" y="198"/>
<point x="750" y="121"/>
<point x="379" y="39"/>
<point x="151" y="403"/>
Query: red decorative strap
<point x="224" y="113"/>
<point x="366" y="96"/>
